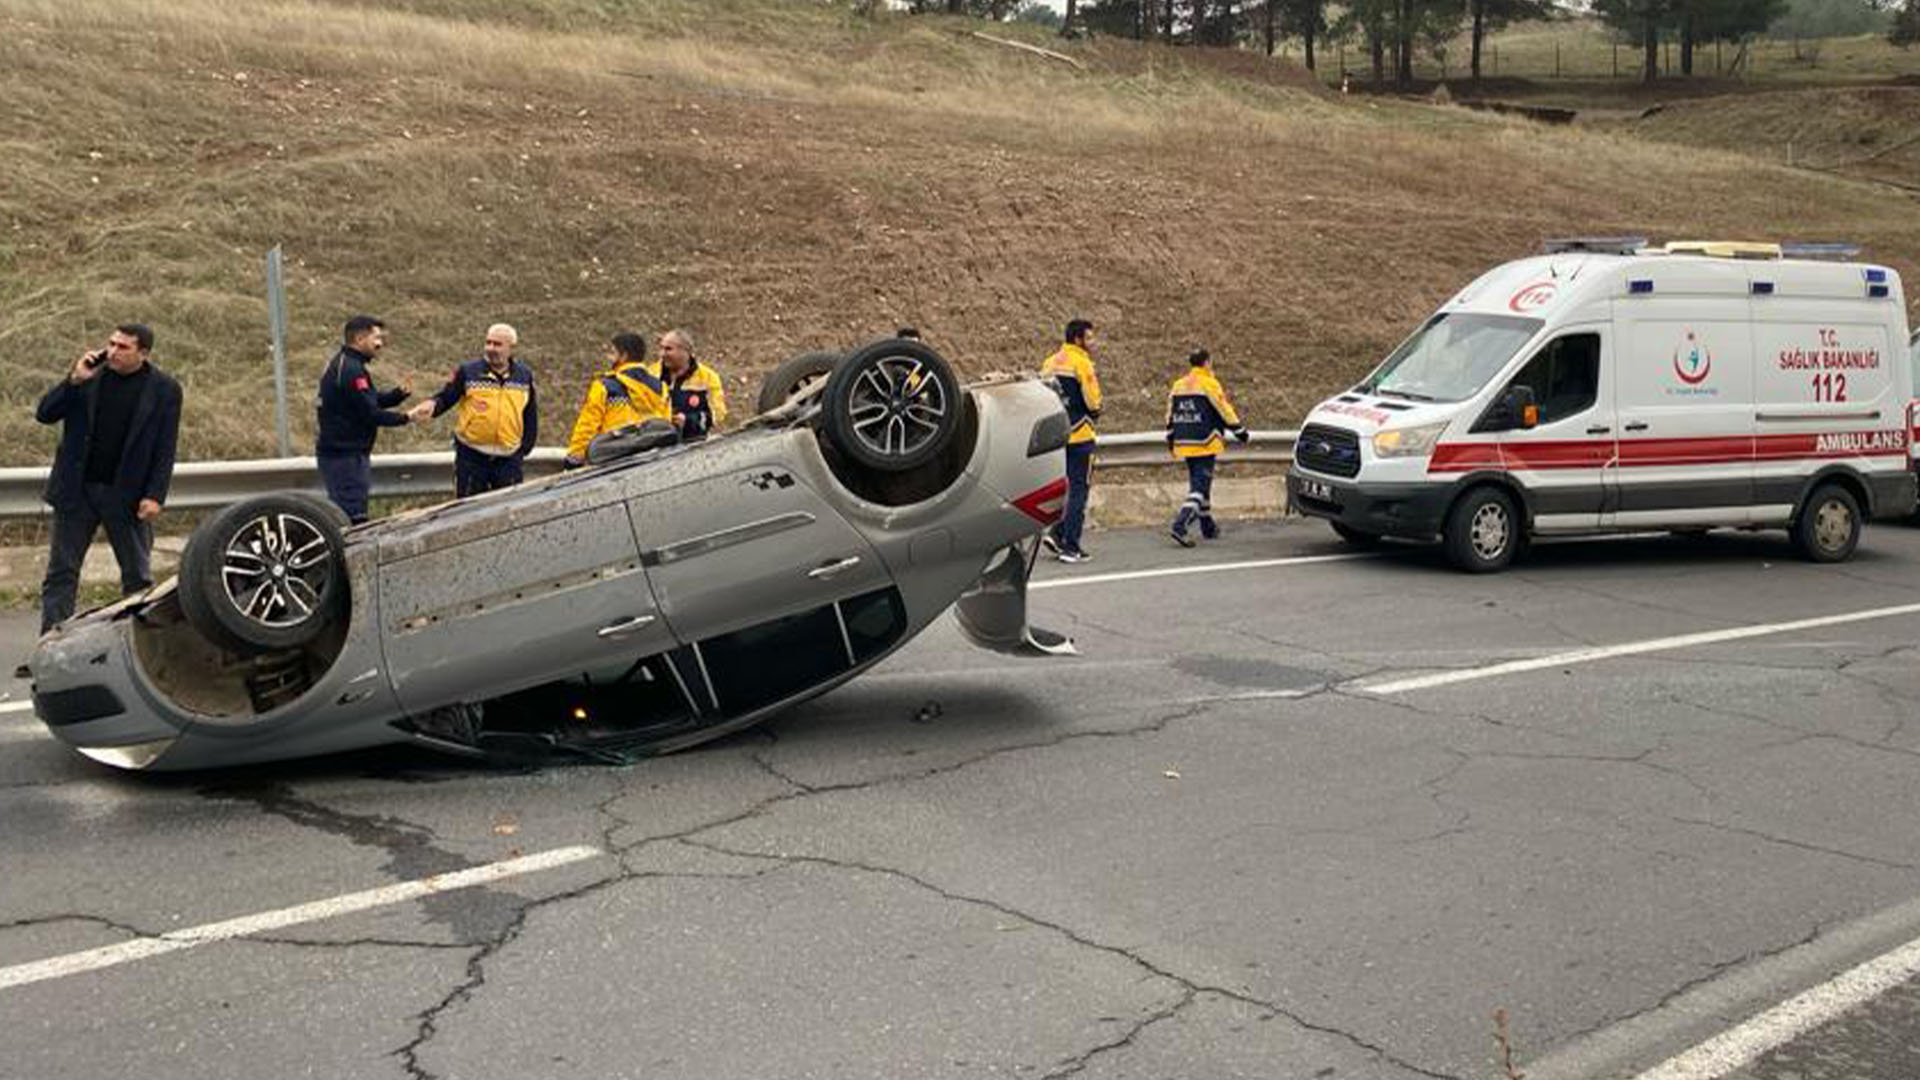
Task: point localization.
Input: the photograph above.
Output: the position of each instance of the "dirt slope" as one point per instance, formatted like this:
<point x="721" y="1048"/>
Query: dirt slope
<point x="776" y="184"/>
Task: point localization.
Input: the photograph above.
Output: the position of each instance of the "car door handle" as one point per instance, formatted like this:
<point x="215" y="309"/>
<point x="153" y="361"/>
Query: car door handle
<point x="833" y="569"/>
<point x="1637" y="425"/>
<point x="613" y="631"/>
<point x="1600" y="429"/>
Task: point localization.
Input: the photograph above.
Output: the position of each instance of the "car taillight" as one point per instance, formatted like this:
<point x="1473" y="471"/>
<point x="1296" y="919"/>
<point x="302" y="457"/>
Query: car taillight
<point x="1044" y="505"/>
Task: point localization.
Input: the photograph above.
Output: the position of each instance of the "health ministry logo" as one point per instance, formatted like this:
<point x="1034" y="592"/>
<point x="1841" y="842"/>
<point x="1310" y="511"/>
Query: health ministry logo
<point x="1692" y="360"/>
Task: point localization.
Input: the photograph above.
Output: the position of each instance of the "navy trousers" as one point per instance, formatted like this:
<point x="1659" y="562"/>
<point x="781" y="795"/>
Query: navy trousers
<point x="348" y="477"/>
<point x="1198" y="505"/>
<point x="1066" y="532"/>
<point x="475" y="472"/>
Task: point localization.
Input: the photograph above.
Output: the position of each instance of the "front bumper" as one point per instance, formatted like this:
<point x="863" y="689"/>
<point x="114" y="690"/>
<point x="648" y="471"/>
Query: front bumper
<point x="1415" y="511"/>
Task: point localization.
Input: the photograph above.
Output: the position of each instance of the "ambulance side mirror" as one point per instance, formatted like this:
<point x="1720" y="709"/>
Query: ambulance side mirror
<point x="1524" y="409"/>
<point x="1513" y="409"/>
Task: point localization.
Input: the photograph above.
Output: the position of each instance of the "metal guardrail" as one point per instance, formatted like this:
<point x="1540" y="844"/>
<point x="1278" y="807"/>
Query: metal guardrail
<point x="203" y="484"/>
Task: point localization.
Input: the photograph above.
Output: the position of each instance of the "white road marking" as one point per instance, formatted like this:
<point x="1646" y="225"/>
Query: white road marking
<point x="1204" y="568"/>
<point x="1632" y="648"/>
<point x="1790" y="1019"/>
<point x="142" y="948"/>
<point x="15" y="706"/>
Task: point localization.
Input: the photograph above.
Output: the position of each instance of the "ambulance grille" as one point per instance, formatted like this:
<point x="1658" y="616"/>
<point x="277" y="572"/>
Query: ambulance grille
<point x="1331" y="450"/>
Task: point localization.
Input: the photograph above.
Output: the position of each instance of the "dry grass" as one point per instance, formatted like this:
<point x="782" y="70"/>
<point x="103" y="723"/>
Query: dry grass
<point x="777" y="175"/>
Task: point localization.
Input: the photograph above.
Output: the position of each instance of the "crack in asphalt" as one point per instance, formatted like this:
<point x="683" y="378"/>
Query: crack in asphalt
<point x="1788" y="841"/>
<point x="1639" y="760"/>
<point x="77" y="917"/>
<point x="808" y="791"/>
<point x="1715" y="969"/>
<point x="351" y="943"/>
<point x="428" y="1020"/>
<point x="1190" y="986"/>
<point x="1081" y="1061"/>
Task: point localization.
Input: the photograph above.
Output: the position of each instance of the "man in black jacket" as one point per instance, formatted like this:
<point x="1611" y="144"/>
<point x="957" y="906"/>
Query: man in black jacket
<point x="121" y="418"/>
<point x="352" y="412"/>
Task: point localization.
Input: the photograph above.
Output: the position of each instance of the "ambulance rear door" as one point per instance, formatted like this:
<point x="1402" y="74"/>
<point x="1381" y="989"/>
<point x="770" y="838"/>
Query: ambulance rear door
<point x="1831" y="389"/>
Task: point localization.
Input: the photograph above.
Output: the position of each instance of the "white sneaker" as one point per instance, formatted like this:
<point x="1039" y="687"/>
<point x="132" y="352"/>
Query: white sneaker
<point x="1073" y="556"/>
<point x="1051" y="545"/>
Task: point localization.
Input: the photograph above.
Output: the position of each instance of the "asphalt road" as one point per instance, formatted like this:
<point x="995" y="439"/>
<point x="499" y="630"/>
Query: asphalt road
<point x="1253" y="831"/>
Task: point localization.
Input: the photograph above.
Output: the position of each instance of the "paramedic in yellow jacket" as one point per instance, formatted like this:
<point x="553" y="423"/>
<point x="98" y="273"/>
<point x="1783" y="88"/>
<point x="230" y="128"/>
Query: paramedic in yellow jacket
<point x="694" y="393"/>
<point x="1070" y="371"/>
<point x="498" y="418"/>
<point x="1198" y="414"/>
<point x="623" y="395"/>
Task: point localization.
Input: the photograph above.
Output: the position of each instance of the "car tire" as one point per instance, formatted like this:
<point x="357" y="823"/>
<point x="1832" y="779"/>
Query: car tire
<point x="794" y="376"/>
<point x="265" y="574"/>
<point x="1828" y="528"/>
<point x="1359" y="538"/>
<point x="893" y="406"/>
<point x="1484" y="531"/>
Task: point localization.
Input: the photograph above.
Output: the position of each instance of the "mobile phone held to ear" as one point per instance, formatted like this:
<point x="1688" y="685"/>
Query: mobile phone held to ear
<point x="96" y="358"/>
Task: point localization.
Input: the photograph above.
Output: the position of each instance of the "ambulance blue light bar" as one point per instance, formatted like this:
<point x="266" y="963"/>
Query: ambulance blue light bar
<point x="1641" y="286"/>
<point x="1877" y="292"/>
<point x="1876" y="276"/>
<point x="1763" y="288"/>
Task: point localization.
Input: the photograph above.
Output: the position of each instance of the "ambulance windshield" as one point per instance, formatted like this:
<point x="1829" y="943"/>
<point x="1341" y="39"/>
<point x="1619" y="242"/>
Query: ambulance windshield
<point x="1451" y="357"/>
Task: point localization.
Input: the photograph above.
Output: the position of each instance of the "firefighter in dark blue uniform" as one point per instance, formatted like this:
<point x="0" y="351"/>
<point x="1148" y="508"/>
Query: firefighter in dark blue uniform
<point x="351" y="414"/>
<point x="1198" y="412"/>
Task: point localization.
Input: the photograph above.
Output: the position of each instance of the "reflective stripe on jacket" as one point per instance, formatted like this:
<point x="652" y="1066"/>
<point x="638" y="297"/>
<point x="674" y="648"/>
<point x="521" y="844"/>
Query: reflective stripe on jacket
<point x="498" y="414"/>
<point x="1071" y="372"/>
<point x="698" y="398"/>
<point x="1198" y="413"/>
<point x="626" y="395"/>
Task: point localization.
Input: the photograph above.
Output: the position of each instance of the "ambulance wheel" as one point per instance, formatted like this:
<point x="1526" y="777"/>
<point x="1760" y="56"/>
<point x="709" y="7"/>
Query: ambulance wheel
<point x="893" y="406"/>
<point x="265" y="574"/>
<point x="1359" y="538"/>
<point x="1483" y="531"/>
<point x="1828" y="528"/>
<point x="794" y="376"/>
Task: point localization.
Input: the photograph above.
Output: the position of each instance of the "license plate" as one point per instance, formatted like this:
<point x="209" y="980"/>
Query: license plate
<point x="1315" y="489"/>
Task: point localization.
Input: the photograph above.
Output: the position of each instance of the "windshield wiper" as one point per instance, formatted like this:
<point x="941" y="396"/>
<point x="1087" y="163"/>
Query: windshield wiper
<point x="1408" y="394"/>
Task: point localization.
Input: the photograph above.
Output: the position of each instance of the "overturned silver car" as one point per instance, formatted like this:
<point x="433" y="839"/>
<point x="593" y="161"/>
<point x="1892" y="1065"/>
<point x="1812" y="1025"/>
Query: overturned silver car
<point x="664" y="595"/>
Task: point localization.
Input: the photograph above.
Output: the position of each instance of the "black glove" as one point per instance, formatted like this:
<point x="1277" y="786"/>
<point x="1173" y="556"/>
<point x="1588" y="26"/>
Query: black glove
<point x="1242" y="435"/>
<point x="1093" y="414"/>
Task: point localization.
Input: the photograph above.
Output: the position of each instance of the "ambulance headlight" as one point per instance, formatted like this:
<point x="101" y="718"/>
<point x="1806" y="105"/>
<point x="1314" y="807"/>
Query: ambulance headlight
<point x="1407" y="442"/>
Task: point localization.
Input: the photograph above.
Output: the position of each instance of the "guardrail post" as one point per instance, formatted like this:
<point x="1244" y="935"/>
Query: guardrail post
<point x="277" y="317"/>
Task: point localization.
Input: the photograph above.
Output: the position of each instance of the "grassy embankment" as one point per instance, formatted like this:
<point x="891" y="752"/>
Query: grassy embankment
<point x="776" y="175"/>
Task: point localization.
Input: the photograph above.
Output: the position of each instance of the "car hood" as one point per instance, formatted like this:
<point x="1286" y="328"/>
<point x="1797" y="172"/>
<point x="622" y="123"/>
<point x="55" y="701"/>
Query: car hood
<point x="993" y="612"/>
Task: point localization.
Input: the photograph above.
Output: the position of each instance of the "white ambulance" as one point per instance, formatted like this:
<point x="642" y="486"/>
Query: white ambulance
<point x="1610" y="386"/>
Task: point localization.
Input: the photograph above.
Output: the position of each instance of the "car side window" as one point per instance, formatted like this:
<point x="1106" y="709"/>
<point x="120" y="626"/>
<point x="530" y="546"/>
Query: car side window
<point x="1564" y="376"/>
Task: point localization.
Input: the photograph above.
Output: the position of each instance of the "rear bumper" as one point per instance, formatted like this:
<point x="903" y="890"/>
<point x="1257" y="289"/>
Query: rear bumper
<point x="1415" y="511"/>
